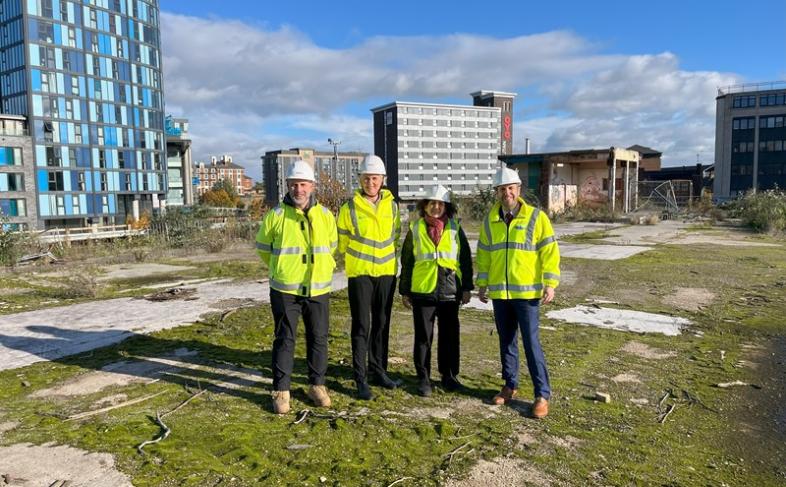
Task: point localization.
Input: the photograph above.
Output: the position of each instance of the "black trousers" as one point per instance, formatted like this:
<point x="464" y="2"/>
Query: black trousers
<point x="370" y="302"/>
<point x="448" y="346"/>
<point x="287" y="310"/>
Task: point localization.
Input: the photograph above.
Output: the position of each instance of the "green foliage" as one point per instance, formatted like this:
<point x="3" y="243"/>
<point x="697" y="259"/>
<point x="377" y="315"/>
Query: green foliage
<point x="764" y="211"/>
<point x="13" y="244"/>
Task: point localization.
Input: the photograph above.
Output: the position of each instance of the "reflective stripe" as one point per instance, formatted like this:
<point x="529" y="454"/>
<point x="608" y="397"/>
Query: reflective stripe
<point x="482" y="246"/>
<point x="341" y="231"/>
<point x="287" y="251"/>
<point x="371" y="258"/>
<point x="531" y="228"/>
<point x="513" y="287"/>
<point x="278" y="210"/>
<point x="321" y="285"/>
<point x="429" y="256"/>
<point x="353" y="215"/>
<point x="545" y="242"/>
<point x="483" y="275"/>
<point x="487" y="224"/>
<point x="320" y="250"/>
<point x="280" y="286"/>
<point x="551" y="275"/>
<point x="372" y="243"/>
<point x="263" y="246"/>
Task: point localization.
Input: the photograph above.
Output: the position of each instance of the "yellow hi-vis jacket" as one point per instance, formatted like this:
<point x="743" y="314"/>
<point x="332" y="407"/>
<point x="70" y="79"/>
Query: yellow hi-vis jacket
<point x="429" y="257"/>
<point x="516" y="261"/>
<point x="298" y="249"/>
<point x="369" y="235"/>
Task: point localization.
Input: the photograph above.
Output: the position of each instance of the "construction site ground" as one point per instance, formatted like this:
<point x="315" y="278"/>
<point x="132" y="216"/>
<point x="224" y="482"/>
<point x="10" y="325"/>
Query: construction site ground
<point x="666" y="349"/>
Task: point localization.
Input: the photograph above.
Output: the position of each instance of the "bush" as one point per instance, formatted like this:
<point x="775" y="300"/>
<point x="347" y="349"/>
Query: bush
<point x="764" y="211"/>
<point x="13" y="244"/>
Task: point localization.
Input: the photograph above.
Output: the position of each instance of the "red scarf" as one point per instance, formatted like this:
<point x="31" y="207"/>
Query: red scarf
<point x="435" y="227"/>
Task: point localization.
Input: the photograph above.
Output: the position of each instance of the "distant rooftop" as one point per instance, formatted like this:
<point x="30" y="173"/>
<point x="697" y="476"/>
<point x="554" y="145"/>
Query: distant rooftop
<point x="749" y="87"/>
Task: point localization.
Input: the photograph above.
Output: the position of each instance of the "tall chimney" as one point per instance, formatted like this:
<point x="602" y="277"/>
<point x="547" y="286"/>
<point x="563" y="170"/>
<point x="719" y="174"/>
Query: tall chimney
<point x="526" y="145"/>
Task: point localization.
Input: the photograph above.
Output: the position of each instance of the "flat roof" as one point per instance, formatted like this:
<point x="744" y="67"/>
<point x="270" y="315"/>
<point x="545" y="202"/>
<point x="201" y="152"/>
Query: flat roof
<point x="422" y="104"/>
<point x="751" y="87"/>
<point x="487" y="93"/>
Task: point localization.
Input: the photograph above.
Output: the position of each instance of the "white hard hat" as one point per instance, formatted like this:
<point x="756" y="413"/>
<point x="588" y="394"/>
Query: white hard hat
<point x="506" y="175"/>
<point x="300" y="169"/>
<point x="372" y="165"/>
<point x="438" y="193"/>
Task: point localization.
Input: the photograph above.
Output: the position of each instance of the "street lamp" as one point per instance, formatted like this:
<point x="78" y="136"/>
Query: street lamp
<point x="335" y="144"/>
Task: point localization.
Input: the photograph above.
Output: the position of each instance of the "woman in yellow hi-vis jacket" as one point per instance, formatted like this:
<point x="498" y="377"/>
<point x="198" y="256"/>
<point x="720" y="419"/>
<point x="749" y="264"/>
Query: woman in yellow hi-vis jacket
<point x="368" y="235"/>
<point x="297" y="240"/>
<point x="436" y="275"/>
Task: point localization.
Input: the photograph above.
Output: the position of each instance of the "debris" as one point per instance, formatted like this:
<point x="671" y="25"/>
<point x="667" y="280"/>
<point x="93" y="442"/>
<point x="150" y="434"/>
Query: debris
<point x="603" y="397"/>
<point x="400" y="480"/>
<point x="297" y="447"/>
<point x="302" y="416"/>
<point x="455" y="451"/>
<point x="109" y="408"/>
<point x="726" y="385"/>
<point x="672" y="407"/>
<point x="25" y="383"/>
<point x="172" y="293"/>
<point x="166" y="428"/>
<point x="46" y="256"/>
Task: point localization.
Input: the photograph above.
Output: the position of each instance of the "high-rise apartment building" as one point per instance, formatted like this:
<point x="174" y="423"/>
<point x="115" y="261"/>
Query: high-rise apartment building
<point x="341" y="167"/>
<point x="750" y="138"/>
<point x="424" y="144"/>
<point x="180" y="167"/>
<point x="87" y="75"/>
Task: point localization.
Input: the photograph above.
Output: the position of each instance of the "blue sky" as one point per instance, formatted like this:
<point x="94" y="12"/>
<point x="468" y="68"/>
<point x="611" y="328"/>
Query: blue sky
<point x="257" y="76"/>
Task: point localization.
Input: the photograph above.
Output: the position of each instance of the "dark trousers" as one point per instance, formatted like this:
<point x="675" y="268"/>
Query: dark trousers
<point x="446" y="313"/>
<point x="512" y="315"/>
<point x="287" y="309"/>
<point x="370" y="303"/>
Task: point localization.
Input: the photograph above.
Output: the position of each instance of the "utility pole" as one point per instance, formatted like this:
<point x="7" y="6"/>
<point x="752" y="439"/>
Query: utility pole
<point x="335" y="143"/>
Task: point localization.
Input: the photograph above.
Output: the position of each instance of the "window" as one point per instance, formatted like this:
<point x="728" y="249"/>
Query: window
<point x="13" y="207"/>
<point x="81" y="181"/>
<point x="55" y="181"/>
<point x="12" y="182"/>
<point x="744" y="101"/>
<point x="103" y="182"/>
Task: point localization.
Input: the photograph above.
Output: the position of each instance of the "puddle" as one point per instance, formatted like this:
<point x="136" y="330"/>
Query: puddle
<point x="620" y="319"/>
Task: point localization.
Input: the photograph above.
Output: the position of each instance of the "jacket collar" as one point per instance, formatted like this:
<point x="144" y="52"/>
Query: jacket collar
<point x="496" y="210"/>
<point x="312" y="202"/>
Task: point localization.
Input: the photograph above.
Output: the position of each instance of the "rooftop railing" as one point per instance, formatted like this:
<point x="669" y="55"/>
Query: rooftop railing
<point x="748" y="87"/>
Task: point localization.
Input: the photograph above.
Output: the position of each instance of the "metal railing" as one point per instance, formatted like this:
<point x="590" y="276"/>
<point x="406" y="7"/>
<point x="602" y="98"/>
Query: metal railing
<point x="748" y="87"/>
<point x="95" y="232"/>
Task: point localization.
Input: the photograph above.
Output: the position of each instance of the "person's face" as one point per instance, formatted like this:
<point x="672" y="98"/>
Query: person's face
<point x="300" y="191"/>
<point x="508" y="195"/>
<point x="371" y="184"/>
<point x="435" y="208"/>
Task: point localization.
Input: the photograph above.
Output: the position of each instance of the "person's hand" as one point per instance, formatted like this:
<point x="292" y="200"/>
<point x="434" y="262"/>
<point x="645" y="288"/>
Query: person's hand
<point x="465" y="297"/>
<point x="482" y="294"/>
<point x="548" y="295"/>
<point x="407" y="301"/>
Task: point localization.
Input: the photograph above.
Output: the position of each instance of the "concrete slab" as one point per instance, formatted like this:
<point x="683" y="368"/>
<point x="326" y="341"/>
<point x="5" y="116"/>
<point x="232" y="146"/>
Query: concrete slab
<point x="621" y="319"/>
<point x="577" y="228"/>
<point x="133" y="271"/>
<point x="600" y="252"/>
<point x="48" y="334"/>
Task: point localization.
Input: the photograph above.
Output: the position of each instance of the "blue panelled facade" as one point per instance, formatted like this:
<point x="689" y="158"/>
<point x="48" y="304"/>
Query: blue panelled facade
<point x="87" y="75"/>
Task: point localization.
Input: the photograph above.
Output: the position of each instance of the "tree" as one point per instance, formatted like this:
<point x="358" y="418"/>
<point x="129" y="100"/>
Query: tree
<point x="227" y="186"/>
<point x="218" y="198"/>
<point x="330" y="193"/>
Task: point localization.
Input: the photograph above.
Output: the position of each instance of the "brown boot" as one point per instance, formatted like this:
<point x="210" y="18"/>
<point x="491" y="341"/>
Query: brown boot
<point x="280" y="402"/>
<point x="504" y="396"/>
<point x="319" y="395"/>
<point x="540" y="408"/>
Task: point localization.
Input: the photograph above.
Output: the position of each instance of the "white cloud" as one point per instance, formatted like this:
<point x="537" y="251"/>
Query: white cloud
<point x="248" y="89"/>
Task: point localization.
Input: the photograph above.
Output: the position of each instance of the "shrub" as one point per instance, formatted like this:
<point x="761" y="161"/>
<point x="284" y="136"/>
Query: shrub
<point x="764" y="211"/>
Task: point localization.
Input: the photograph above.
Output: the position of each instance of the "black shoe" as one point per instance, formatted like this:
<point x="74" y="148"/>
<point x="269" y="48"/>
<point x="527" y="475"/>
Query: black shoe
<point x="364" y="392"/>
<point x="424" y="388"/>
<point x="451" y="384"/>
<point x="383" y="380"/>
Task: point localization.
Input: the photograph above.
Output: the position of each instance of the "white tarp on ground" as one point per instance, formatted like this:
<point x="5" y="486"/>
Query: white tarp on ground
<point x="621" y="319"/>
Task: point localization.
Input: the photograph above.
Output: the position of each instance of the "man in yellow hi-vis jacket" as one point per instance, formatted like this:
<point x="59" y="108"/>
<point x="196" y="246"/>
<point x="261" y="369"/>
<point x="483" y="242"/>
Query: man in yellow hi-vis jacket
<point x="297" y="240"/>
<point x="518" y="266"/>
<point x="368" y="234"/>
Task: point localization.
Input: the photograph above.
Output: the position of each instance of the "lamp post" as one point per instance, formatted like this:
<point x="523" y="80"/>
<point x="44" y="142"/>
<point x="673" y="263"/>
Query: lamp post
<point x="335" y="144"/>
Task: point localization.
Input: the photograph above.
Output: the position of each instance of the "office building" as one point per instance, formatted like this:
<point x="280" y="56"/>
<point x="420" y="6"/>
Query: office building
<point x="180" y="167"/>
<point x="424" y="144"/>
<point x="87" y="76"/>
<point x="341" y="167"/>
<point x="219" y="169"/>
<point x="750" y="139"/>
